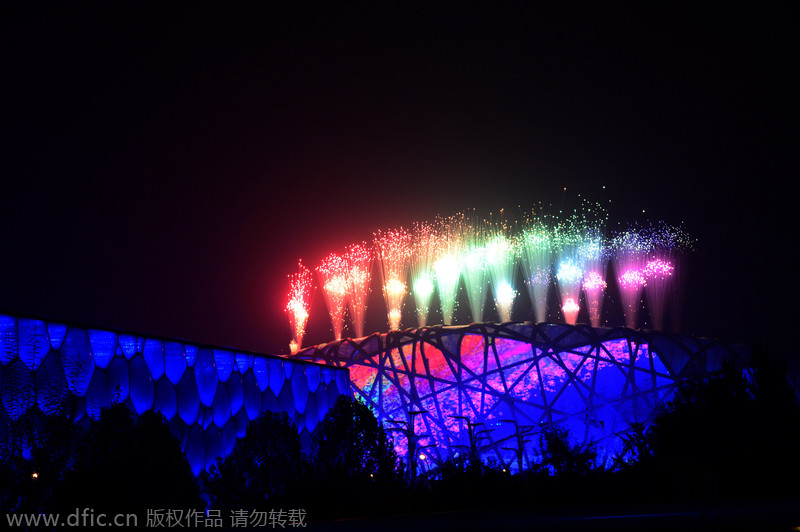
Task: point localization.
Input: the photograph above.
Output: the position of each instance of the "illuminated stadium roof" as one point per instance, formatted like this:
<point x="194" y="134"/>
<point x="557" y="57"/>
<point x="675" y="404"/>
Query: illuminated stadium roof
<point x="596" y="382"/>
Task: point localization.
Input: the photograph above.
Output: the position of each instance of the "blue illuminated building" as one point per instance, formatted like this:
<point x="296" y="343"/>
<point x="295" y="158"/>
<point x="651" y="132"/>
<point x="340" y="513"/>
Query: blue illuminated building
<point x="207" y="394"/>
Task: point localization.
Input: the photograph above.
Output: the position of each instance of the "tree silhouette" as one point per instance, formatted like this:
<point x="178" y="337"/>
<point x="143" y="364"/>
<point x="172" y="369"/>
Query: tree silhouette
<point x="559" y="458"/>
<point x="129" y="465"/>
<point x="266" y="464"/>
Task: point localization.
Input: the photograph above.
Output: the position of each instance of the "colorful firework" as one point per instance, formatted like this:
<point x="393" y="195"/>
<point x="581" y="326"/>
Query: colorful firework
<point x="630" y="250"/>
<point x="666" y="245"/>
<point x="333" y="277"/>
<point x="423" y="249"/>
<point x="358" y="258"/>
<point x="594" y="255"/>
<point x="447" y="266"/>
<point x="501" y="264"/>
<point x="434" y="257"/>
<point x="301" y="291"/>
<point x="393" y="251"/>
<point x="535" y="248"/>
<point x="474" y="269"/>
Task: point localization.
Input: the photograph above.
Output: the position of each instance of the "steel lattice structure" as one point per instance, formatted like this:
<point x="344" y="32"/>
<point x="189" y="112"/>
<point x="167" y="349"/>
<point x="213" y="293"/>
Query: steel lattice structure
<point x="519" y="377"/>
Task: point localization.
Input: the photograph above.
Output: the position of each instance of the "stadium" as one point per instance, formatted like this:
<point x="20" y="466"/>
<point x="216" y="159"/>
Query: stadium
<point x="513" y="379"/>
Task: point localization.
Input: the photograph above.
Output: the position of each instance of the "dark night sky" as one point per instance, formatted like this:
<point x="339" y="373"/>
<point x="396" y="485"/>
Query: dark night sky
<point x="164" y="168"/>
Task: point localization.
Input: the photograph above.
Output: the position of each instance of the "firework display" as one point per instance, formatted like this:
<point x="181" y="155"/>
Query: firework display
<point x="501" y="263"/>
<point x="630" y="250"/>
<point x="301" y="289"/>
<point x="666" y="246"/>
<point x="423" y="247"/>
<point x="447" y="267"/>
<point x="333" y="277"/>
<point x="567" y="253"/>
<point x="393" y="252"/>
<point x="535" y="248"/>
<point x="359" y="276"/>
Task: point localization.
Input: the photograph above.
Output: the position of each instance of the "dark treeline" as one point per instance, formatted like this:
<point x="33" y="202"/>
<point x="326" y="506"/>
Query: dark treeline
<point x="731" y="437"/>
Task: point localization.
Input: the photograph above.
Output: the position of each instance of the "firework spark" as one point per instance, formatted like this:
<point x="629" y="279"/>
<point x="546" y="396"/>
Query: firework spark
<point x="393" y="251"/>
<point x="358" y="259"/>
<point x="535" y="246"/>
<point x="333" y="277"/>
<point x="301" y="291"/>
<point x="423" y="249"/>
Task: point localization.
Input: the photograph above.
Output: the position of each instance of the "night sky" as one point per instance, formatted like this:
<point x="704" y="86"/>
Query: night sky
<point x="164" y="168"/>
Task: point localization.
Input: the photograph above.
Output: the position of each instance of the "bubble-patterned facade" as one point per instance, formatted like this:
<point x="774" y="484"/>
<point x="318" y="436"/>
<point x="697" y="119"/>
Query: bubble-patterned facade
<point x="518" y="378"/>
<point x="207" y="394"/>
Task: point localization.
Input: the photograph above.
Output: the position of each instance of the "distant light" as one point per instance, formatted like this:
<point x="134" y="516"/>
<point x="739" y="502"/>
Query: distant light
<point x="422" y="457"/>
<point x="35" y="475"/>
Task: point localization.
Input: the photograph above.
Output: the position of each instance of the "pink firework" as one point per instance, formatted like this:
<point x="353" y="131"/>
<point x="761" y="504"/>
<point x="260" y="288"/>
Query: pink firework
<point x="393" y="251"/>
<point x="594" y="285"/>
<point x="333" y="276"/>
<point x="301" y="290"/>
<point x="630" y="256"/>
<point x="359" y="275"/>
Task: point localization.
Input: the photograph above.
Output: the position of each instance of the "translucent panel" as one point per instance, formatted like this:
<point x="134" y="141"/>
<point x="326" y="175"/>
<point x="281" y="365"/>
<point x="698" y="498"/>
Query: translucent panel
<point x="286" y="401"/>
<point x="327" y="374"/>
<point x="76" y="356"/>
<point x="104" y="347"/>
<point x="205" y="417"/>
<point x="252" y="395"/>
<point x="305" y="441"/>
<point x="188" y="398"/>
<point x="174" y="361"/>
<point x="118" y="380"/>
<point x="213" y="446"/>
<point x="56" y="331"/>
<point x="34" y="342"/>
<point x="97" y="396"/>
<point x="276" y="375"/>
<point x="51" y="387"/>
<point x="261" y="371"/>
<point x="244" y="362"/>
<point x="191" y="354"/>
<point x="129" y="344"/>
<point x="206" y="374"/>
<point x="334" y="393"/>
<point x="322" y="402"/>
<point x="141" y="383"/>
<point x="195" y="444"/>
<point x="299" y="388"/>
<point x="179" y="429"/>
<point x="240" y="421"/>
<point x="269" y="402"/>
<point x="222" y="406"/>
<point x="228" y="438"/>
<point x="9" y="341"/>
<point x="224" y="361"/>
<point x="17" y="391"/>
<point x="164" y="400"/>
<point x="236" y="393"/>
<point x="154" y="356"/>
<point x="313" y="376"/>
